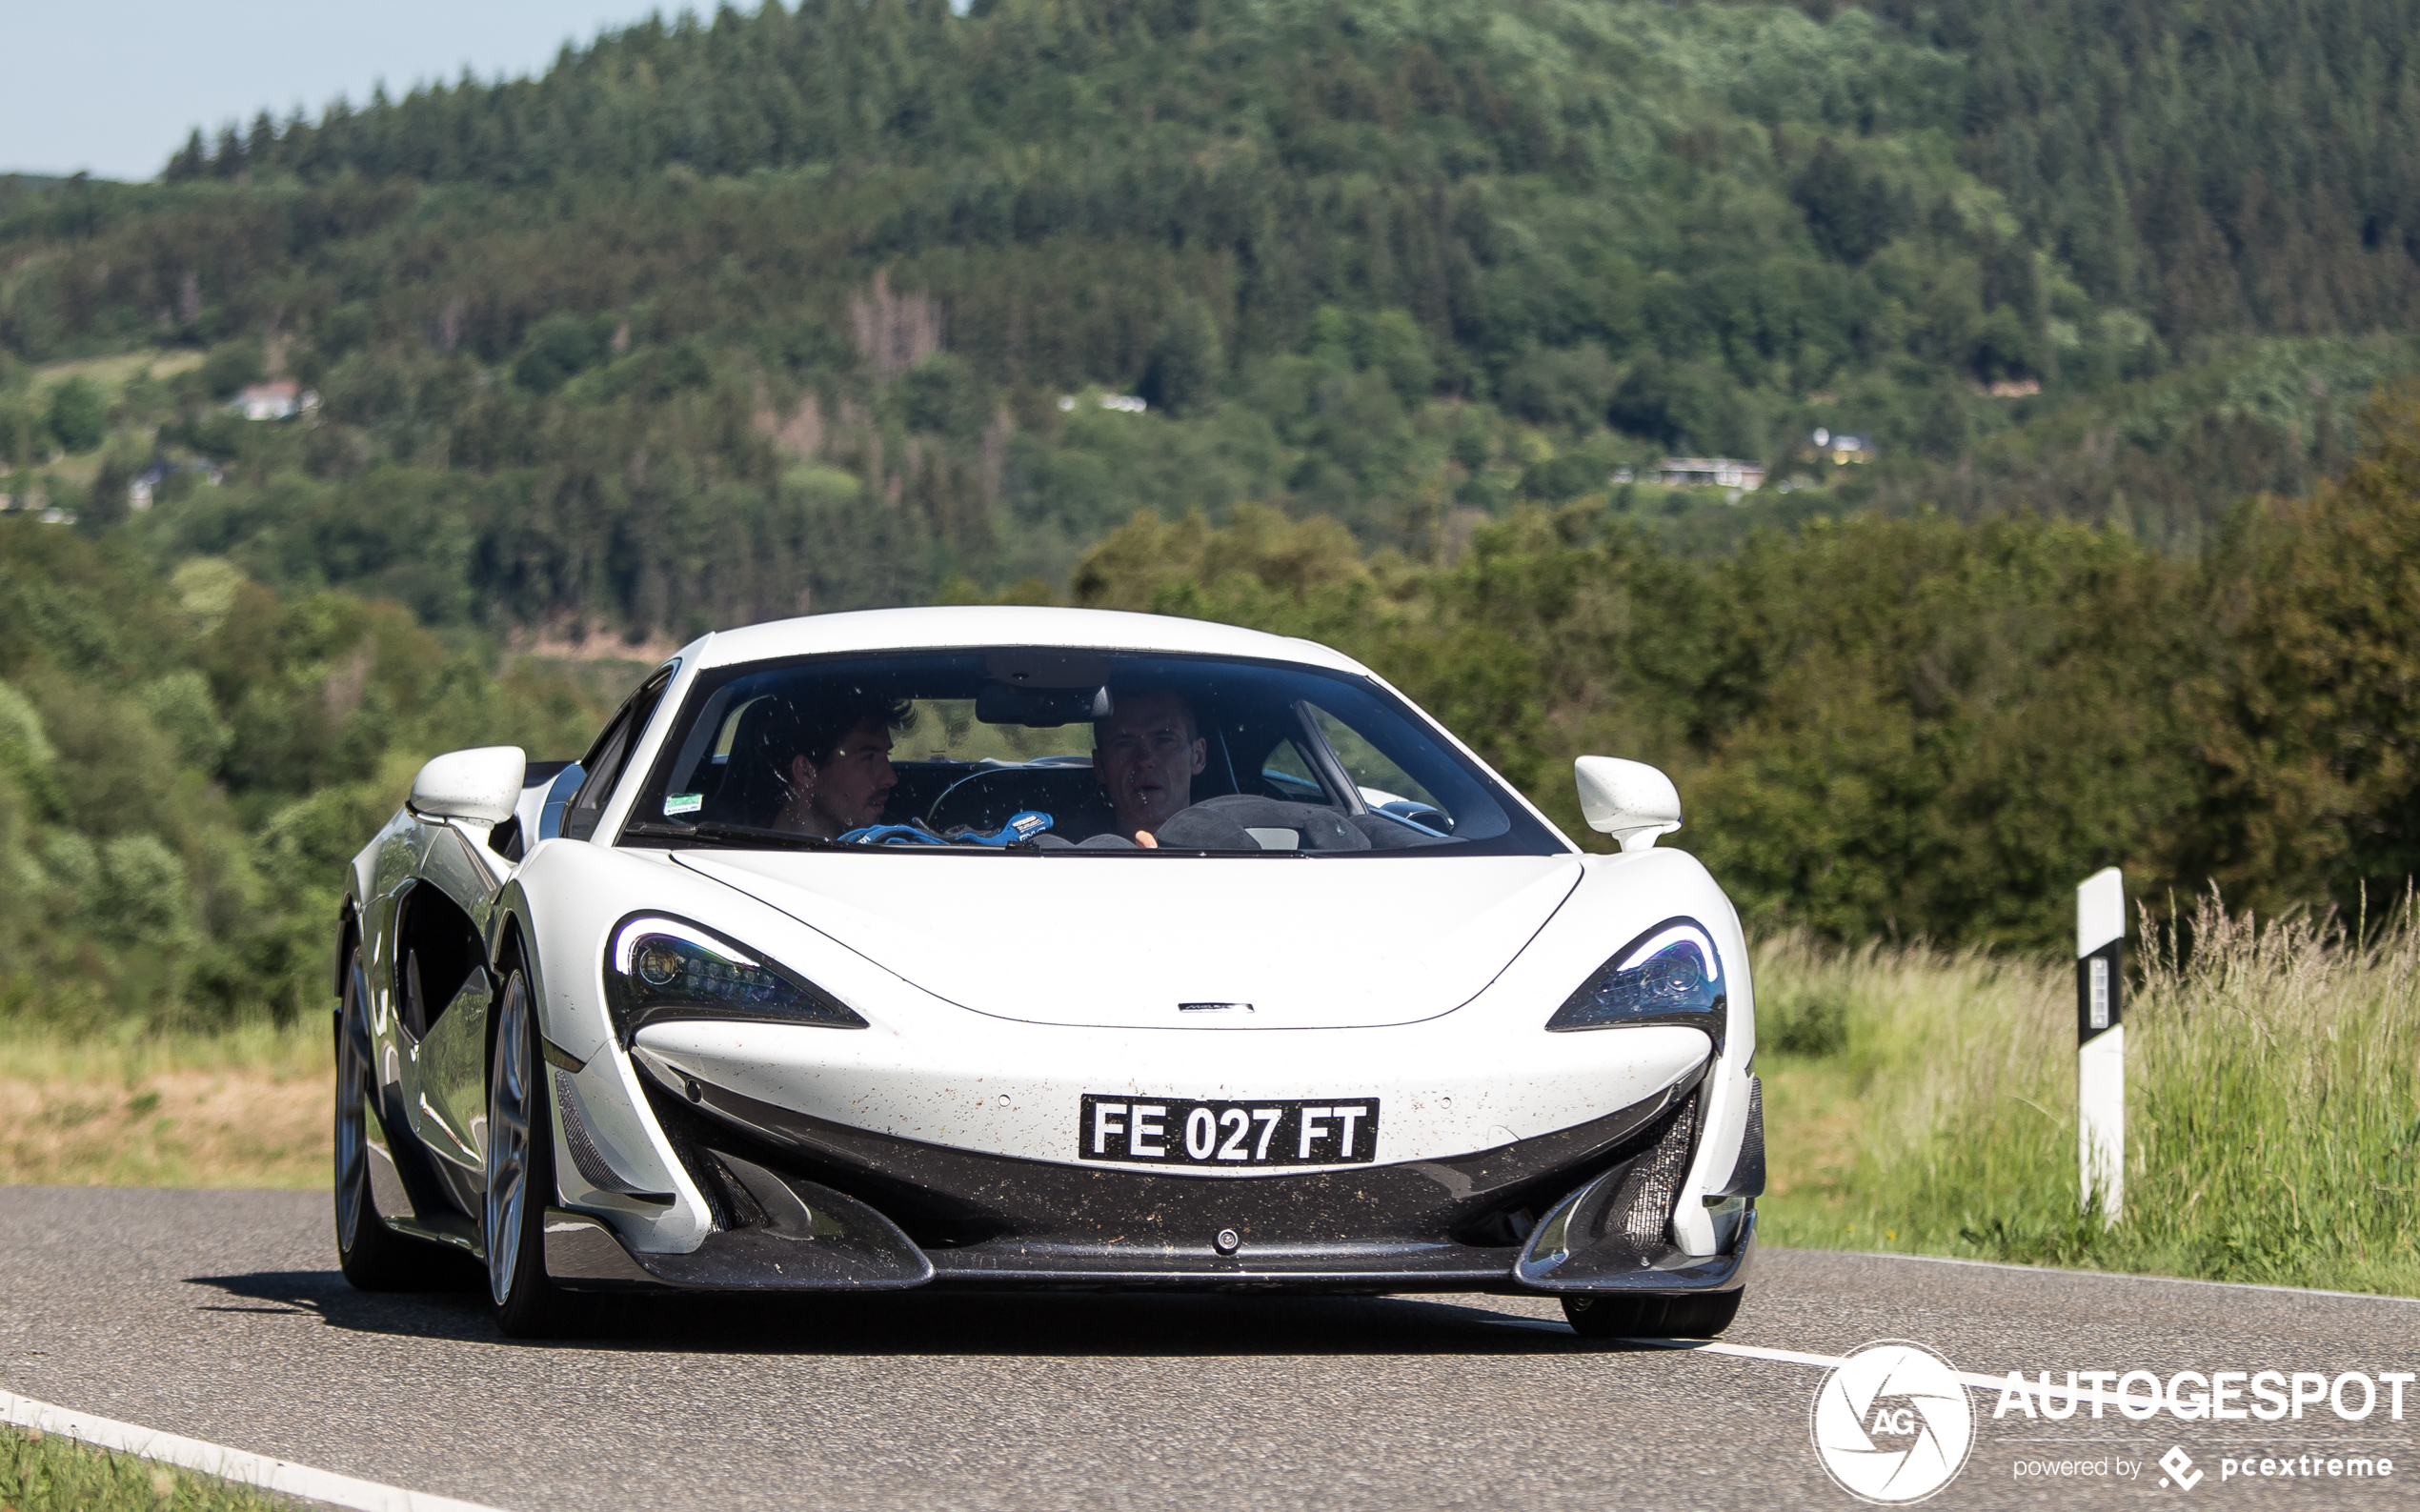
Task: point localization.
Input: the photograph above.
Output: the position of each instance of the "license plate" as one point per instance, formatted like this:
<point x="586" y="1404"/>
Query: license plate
<point x="1177" y="1131"/>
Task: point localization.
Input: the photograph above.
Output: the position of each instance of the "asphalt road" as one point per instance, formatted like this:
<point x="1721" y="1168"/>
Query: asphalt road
<point x="220" y="1316"/>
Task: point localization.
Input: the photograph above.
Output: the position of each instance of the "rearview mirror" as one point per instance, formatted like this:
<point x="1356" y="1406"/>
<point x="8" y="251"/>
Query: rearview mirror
<point x="1039" y="708"/>
<point x="479" y="786"/>
<point x="1629" y="800"/>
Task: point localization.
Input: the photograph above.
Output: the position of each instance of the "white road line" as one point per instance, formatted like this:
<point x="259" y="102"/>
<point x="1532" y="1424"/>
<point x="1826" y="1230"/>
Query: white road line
<point x="2127" y="1275"/>
<point x="1795" y="1357"/>
<point x="1792" y="1357"/>
<point x="257" y="1470"/>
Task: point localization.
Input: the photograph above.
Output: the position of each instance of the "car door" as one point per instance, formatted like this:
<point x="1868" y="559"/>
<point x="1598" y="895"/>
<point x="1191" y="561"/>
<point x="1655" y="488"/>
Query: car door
<point x="446" y="990"/>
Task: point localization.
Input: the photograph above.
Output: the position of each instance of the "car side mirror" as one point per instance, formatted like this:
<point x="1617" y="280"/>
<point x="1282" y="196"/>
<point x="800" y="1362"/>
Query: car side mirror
<point x="1629" y="800"/>
<point x="480" y="785"/>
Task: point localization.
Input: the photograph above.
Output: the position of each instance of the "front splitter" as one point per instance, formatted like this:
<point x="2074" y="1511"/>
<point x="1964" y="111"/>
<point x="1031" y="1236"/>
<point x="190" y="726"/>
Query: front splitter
<point x="804" y="1204"/>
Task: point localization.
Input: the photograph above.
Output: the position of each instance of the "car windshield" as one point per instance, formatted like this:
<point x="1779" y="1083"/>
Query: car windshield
<point x="1066" y="750"/>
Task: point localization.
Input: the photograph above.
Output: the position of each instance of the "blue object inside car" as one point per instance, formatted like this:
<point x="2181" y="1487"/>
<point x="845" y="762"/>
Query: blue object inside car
<point x="1020" y="827"/>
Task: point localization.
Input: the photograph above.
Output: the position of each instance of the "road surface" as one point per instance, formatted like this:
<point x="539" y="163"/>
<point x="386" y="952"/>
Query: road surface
<point x="220" y="1316"/>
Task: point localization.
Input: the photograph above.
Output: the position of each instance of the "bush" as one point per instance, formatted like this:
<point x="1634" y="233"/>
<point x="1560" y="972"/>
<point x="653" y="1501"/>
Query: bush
<point x="78" y="419"/>
<point x="1569" y="387"/>
<point x="1562" y="478"/>
<point x="230" y="367"/>
<point x="559" y="346"/>
<point x="941" y="397"/>
<point x="1186" y="360"/>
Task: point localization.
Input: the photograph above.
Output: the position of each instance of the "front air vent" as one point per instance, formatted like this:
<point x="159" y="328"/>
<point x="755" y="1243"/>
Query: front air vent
<point x="1652" y="1188"/>
<point x="593" y="1168"/>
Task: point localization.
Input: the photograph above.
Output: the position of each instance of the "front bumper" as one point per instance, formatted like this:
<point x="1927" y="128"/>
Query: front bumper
<point x="808" y="1205"/>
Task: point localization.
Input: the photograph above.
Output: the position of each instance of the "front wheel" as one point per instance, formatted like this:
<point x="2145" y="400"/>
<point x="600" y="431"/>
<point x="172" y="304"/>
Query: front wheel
<point x="1702" y="1316"/>
<point x="520" y="1174"/>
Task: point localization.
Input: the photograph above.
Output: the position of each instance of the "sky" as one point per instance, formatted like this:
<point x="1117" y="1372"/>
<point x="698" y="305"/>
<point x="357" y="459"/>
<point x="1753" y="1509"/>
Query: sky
<point x="111" y="87"/>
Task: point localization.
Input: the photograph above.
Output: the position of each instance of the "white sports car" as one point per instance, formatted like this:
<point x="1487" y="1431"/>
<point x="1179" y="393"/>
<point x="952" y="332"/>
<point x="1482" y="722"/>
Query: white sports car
<point x="1017" y="948"/>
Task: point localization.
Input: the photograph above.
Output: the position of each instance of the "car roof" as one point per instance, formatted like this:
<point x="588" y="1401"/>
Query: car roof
<point x="875" y="630"/>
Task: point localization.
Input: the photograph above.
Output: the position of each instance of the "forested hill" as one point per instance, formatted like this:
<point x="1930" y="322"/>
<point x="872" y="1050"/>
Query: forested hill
<point x="811" y="309"/>
<point x="2237" y="166"/>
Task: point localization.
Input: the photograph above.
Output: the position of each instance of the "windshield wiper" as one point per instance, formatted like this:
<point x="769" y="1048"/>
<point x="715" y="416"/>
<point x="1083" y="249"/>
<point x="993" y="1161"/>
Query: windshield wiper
<point x="734" y="834"/>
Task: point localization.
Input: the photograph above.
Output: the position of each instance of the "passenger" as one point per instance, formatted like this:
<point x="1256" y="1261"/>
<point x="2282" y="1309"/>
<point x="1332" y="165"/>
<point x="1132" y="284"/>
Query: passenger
<point x="1146" y="754"/>
<point x="819" y="771"/>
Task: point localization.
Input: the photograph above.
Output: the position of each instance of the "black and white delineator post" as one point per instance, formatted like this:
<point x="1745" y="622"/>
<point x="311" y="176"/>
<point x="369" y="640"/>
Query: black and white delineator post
<point x="2100" y="1039"/>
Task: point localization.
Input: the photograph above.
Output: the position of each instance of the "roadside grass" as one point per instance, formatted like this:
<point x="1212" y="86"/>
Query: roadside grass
<point x="43" y="1472"/>
<point x="247" y="1106"/>
<point x="114" y="373"/>
<point x="1923" y="1101"/>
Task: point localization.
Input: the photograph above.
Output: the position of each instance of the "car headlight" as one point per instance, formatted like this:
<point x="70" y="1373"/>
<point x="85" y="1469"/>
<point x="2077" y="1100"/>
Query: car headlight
<point x="1670" y="975"/>
<point x="660" y="968"/>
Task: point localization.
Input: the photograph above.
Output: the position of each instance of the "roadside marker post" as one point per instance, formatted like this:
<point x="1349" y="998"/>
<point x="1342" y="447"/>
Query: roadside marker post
<point x="2100" y="1039"/>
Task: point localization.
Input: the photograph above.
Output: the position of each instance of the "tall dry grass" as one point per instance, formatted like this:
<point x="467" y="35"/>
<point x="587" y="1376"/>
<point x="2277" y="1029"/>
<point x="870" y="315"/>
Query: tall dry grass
<point x="244" y="1106"/>
<point x="1925" y="1100"/>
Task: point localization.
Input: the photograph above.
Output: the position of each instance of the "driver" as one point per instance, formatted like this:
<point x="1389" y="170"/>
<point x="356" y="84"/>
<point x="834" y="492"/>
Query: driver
<point x="1146" y="755"/>
<point x="823" y="770"/>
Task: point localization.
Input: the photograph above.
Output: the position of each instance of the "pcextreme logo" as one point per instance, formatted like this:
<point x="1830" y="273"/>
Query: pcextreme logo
<point x="1891" y="1423"/>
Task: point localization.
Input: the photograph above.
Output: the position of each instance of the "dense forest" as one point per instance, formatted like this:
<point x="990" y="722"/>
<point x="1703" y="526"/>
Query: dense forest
<point x="187" y="761"/>
<point x="720" y="318"/>
<point x="1366" y="321"/>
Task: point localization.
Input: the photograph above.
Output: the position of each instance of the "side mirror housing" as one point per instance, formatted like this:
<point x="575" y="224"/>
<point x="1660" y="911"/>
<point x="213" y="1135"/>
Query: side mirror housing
<point x="480" y="785"/>
<point x="1629" y="800"/>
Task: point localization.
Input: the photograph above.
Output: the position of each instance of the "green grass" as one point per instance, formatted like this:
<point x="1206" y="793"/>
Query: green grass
<point x="42" y="1472"/>
<point x="113" y="374"/>
<point x="1924" y="1101"/>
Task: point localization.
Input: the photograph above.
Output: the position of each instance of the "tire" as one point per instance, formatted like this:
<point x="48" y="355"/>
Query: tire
<point x="1702" y="1316"/>
<point x="373" y="1257"/>
<point x="520" y="1176"/>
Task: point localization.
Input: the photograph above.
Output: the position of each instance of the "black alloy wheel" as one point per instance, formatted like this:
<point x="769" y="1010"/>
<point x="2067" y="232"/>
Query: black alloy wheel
<point x="520" y="1175"/>
<point x="1700" y="1316"/>
<point x="373" y="1257"/>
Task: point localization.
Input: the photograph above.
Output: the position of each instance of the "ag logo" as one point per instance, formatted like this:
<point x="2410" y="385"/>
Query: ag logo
<point x="1892" y="1423"/>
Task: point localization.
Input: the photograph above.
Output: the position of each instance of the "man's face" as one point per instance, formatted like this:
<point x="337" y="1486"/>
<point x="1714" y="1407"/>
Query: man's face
<point x="850" y="790"/>
<point x="1146" y="755"/>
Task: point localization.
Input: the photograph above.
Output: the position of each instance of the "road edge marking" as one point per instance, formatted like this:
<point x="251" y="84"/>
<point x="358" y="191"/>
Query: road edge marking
<point x="2012" y="1382"/>
<point x="2114" y="1276"/>
<point x="259" y="1471"/>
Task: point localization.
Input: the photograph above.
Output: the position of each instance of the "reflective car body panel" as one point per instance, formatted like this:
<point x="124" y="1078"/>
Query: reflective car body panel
<point x="1100" y="943"/>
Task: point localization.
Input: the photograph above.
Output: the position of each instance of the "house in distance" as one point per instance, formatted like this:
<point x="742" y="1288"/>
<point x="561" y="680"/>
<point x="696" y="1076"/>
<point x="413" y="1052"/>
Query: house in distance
<point x="1710" y="472"/>
<point x="1843" y="450"/>
<point x="275" y="401"/>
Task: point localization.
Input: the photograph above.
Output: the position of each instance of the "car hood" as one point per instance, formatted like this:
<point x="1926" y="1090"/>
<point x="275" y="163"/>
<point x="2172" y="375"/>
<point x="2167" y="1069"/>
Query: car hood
<point x="1120" y="941"/>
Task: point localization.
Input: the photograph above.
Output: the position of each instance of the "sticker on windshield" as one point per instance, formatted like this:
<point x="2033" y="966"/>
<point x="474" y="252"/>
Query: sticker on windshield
<point x="685" y="802"/>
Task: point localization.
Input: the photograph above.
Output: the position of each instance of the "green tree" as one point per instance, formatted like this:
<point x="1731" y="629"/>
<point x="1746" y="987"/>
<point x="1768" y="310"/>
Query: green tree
<point x="79" y="418"/>
<point x="1186" y="360"/>
<point x="559" y="347"/>
<point x="230" y="366"/>
<point x="2308" y="730"/>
